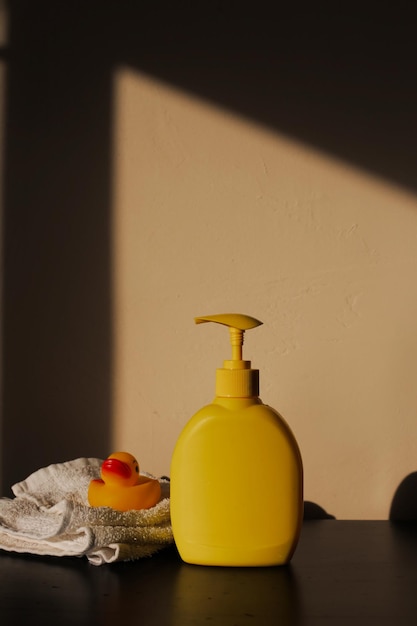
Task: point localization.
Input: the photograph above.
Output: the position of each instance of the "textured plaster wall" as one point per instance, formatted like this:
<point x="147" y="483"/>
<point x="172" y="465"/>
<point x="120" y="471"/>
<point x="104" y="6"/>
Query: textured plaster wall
<point x="214" y="214"/>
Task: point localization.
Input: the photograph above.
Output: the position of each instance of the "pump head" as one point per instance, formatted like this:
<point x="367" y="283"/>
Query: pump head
<point x="236" y="379"/>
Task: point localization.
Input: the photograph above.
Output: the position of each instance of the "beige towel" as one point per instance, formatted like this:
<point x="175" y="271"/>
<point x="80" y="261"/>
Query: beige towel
<point x="50" y="515"/>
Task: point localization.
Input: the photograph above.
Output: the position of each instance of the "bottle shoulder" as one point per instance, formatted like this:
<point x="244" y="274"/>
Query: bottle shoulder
<point x="241" y="415"/>
<point x="250" y="408"/>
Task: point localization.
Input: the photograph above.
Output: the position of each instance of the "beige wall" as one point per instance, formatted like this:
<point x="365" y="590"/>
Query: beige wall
<point x="131" y="206"/>
<point x="214" y="214"/>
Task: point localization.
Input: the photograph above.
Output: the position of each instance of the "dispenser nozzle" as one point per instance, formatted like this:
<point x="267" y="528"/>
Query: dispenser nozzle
<point x="233" y="320"/>
<point x="236" y="379"/>
<point x="237" y="324"/>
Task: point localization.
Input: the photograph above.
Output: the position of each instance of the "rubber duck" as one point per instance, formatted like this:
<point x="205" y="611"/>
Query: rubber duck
<point x="121" y="485"/>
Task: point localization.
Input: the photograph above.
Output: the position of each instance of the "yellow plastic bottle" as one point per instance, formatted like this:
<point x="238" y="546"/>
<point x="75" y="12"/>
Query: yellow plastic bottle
<point x="236" y="472"/>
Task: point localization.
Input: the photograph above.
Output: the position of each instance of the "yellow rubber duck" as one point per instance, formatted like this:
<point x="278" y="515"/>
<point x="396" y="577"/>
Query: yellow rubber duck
<point x="121" y="486"/>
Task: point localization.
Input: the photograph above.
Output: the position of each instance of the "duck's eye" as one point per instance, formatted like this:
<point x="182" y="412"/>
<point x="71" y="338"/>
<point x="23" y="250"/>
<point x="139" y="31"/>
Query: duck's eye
<point x="137" y="469"/>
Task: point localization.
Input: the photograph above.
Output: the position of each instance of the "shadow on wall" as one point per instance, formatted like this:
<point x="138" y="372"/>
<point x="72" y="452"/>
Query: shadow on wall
<point x="57" y="331"/>
<point x="313" y="511"/>
<point x="404" y="503"/>
<point x="328" y="80"/>
<point x="403" y="506"/>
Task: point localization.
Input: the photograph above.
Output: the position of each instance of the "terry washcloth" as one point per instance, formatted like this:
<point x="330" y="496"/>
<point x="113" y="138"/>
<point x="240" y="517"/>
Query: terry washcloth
<point x="50" y="515"/>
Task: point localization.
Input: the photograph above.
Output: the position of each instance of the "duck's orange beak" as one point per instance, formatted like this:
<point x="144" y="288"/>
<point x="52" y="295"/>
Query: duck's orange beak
<point x="117" y="468"/>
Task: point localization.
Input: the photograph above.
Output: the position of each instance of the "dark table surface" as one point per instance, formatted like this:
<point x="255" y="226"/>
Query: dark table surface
<point x="343" y="572"/>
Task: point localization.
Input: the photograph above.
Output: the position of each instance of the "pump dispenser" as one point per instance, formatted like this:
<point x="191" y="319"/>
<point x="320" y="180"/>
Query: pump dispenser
<point x="236" y="379"/>
<point x="236" y="471"/>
